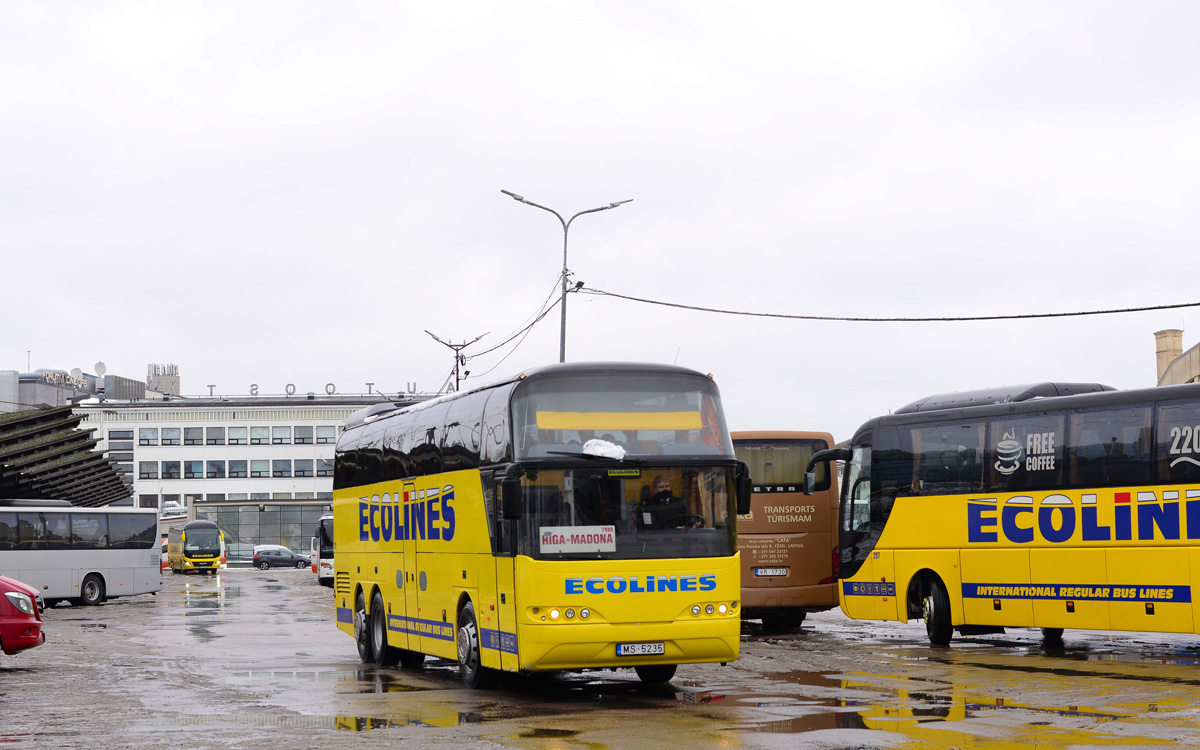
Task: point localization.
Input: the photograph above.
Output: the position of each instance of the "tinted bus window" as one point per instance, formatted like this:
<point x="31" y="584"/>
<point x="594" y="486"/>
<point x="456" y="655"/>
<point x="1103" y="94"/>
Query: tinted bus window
<point x="1179" y="442"/>
<point x="1026" y="452"/>
<point x="8" y="530"/>
<point x="1109" y="447"/>
<point x="89" y="530"/>
<point x="856" y="513"/>
<point x="781" y="463"/>
<point x="937" y="459"/>
<point x="44" y="531"/>
<point x="132" y="531"/>
<point x="949" y="458"/>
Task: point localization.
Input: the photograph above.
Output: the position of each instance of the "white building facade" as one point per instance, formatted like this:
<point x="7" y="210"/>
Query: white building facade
<point x="260" y="467"/>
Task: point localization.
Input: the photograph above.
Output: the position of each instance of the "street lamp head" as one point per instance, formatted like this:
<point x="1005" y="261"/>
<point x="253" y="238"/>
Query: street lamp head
<point x="513" y="195"/>
<point x="614" y="205"/>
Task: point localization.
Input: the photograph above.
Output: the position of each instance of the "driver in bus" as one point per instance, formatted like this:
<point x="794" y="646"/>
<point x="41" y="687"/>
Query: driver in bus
<point x="663" y="510"/>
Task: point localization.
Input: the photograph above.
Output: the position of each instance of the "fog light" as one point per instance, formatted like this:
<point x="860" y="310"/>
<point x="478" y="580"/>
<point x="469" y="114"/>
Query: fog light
<point x="554" y="613"/>
<point x="709" y="610"/>
<point x="722" y="609"/>
<point x="585" y="613"/>
<point x="695" y="609"/>
<point x="570" y="614"/>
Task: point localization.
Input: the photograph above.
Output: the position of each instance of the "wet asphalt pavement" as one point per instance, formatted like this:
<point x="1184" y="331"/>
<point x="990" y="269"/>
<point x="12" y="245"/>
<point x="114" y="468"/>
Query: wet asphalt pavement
<point x="252" y="659"/>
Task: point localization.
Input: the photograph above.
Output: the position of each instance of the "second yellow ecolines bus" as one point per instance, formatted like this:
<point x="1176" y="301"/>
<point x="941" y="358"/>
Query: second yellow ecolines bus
<point x="1053" y="506"/>
<point x="579" y="516"/>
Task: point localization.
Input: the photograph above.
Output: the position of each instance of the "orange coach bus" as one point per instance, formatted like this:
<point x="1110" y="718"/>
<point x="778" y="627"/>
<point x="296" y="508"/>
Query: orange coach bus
<point x="788" y="540"/>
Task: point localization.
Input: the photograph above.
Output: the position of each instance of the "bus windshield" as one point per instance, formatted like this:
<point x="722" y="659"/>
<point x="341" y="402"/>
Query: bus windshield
<point x="642" y="513"/>
<point x="643" y="413"/>
<point x="202" y="542"/>
<point x="325" y="537"/>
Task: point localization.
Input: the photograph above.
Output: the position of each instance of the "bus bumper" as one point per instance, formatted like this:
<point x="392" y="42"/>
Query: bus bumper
<point x="813" y="598"/>
<point x="578" y="646"/>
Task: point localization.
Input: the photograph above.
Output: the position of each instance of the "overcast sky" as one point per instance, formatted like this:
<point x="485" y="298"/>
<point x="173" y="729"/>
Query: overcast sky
<point x="294" y="192"/>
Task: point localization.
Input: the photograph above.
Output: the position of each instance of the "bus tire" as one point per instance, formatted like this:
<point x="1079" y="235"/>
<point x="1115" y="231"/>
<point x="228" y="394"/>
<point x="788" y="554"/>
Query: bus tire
<point x="91" y="591"/>
<point x="470" y="664"/>
<point x="1052" y="636"/>
<point x="385" y="655"/>
<point x="935" y="609"/>
<point x="362" y="636"/>
<point x="656" y="674"/>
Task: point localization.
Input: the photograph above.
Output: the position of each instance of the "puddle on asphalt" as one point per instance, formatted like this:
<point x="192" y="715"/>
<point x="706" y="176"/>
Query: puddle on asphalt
<point x="928" y="712"/>
<point x="546" y="734"/>
<point x="360" y="680"/>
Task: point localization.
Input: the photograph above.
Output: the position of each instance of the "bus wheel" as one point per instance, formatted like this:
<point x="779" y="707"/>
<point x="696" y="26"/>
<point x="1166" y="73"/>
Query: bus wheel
<point x="655" y="674"/>
<point x="935" y="608"/>
<point x="361" y="636"/>
<point x="1052" y="636"/>
<point x="91" y="590"/>
<point x="385" y="655"/>
<point x="474" y="674"/>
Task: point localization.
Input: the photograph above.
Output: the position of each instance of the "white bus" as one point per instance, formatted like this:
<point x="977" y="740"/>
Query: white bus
<point x="322" y="550"/>
<point x="81" y="555"/>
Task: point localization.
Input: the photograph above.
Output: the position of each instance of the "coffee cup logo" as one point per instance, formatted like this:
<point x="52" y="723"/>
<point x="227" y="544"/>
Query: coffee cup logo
<point x="1009" y="454"/>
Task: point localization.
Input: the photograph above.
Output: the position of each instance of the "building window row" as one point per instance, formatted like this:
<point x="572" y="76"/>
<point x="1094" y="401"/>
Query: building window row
<point x="236" y="469"/>
<point x="299" y="435"/>
<point x="152" y="501"/>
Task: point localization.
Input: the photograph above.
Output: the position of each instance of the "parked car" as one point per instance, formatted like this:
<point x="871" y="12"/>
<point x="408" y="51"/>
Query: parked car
<point x="20" y="616"/>
<point x="277" y="556"/>
<point x="171" y="508"/>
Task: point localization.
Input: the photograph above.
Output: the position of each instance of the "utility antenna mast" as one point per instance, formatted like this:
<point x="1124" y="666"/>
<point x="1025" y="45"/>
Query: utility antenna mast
<point x="459" y="358"/>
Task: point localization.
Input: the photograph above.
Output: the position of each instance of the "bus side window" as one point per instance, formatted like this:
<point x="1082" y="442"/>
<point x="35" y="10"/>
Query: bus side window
<point x="1110" y="447"/>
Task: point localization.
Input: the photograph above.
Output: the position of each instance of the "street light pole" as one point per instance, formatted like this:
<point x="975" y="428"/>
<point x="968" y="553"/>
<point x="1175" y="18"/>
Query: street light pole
<point x="566" y="225"/>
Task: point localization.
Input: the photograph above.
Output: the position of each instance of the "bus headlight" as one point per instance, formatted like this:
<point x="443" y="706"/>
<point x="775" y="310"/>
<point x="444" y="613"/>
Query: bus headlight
<point x="554" y="613"/>
<point x="709" y="609"/>
<point x="570" y="614"/>
<point x="585" y="613"/>
<point x="723" y="609"/>
<point x="696" y="609"/>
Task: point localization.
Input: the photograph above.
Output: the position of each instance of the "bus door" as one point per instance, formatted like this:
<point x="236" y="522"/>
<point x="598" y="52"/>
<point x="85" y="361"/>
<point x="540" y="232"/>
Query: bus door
<point x="868" y="587"/>
<point x="506" y="594"/>
<point x="408" y="579"/>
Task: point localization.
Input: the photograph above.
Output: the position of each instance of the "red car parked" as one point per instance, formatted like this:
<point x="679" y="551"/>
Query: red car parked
<point x="20" y="616"/>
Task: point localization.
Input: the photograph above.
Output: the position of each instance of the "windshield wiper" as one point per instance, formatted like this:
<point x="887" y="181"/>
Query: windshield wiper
<point x="596" y="457"/>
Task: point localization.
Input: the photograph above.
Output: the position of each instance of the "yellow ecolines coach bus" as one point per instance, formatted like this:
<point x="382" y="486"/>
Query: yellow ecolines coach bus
<point x="1052" y="506"/>
<point x="578" y="516"/>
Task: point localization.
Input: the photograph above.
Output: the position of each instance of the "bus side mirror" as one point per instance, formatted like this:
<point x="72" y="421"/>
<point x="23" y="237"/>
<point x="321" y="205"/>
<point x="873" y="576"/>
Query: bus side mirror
<point x="825" y="456"/>
<point x="744" y="487"/>
<point x="510" y="499"/>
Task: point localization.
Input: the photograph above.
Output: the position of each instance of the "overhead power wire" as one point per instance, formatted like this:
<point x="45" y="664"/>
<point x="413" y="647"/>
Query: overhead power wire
<point x="958" y="319"/>
<point x="542" y="312"/>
